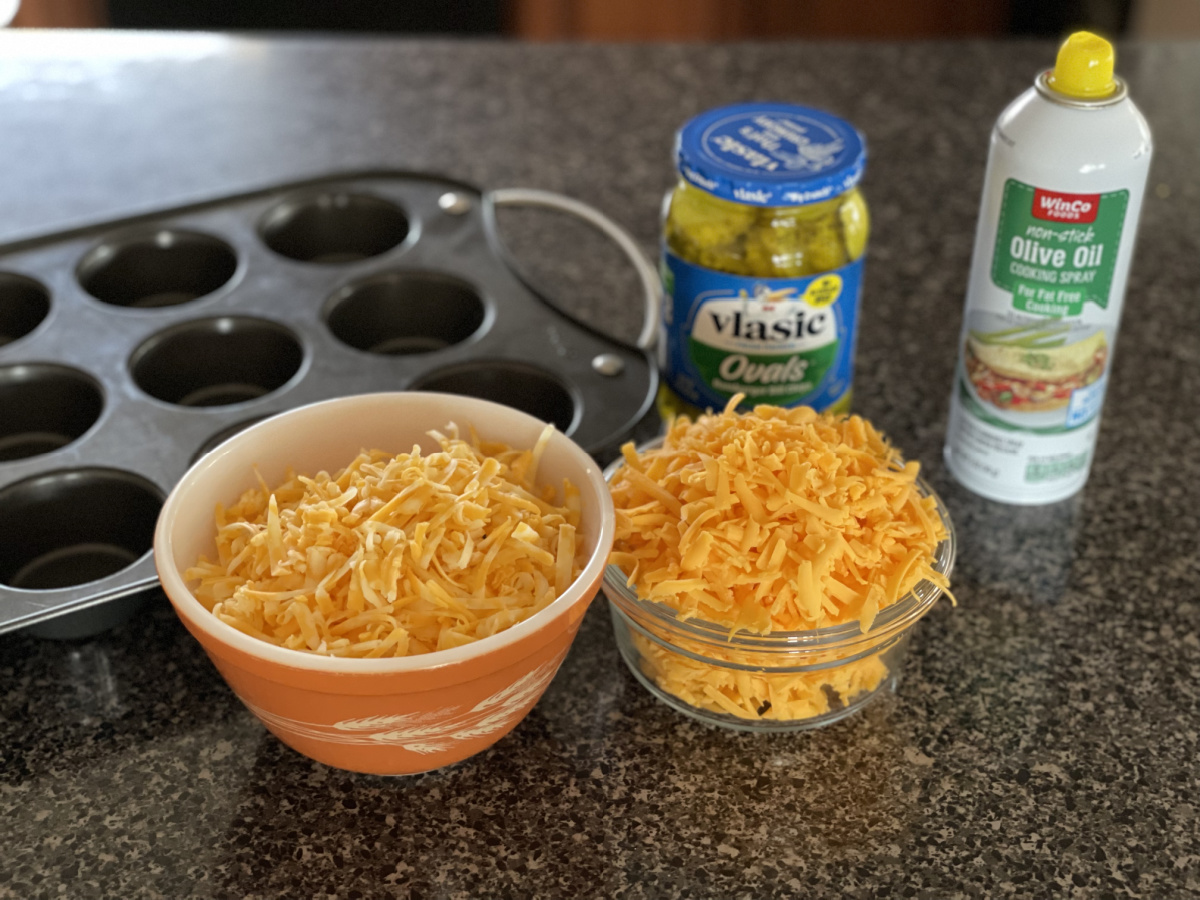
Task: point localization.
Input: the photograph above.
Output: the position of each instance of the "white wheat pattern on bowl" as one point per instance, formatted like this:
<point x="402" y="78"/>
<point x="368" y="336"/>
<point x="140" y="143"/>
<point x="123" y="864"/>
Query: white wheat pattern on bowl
<point x="427" y="732"/>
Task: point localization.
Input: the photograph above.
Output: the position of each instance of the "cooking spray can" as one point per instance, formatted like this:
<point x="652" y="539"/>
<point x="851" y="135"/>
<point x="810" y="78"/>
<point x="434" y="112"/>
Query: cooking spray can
<point x="1066" y="172"/>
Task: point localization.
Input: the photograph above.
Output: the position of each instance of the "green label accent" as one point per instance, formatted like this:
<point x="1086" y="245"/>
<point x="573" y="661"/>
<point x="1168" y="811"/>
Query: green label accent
<point x="1055" y="251"/>
<point x="1054" y="469"/>
<point x="764" y="378"/>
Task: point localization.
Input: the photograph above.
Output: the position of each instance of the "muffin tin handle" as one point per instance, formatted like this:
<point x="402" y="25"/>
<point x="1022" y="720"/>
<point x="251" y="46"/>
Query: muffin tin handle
<point x="651" y="287"/>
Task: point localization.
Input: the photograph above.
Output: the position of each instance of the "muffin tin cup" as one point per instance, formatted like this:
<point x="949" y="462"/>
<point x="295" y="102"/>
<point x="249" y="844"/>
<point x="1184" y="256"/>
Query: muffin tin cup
<point x="157" y="267"/>
<point x="45" y="407"/>
<point x="24" y="303"/>
<point x="130" y="348"/>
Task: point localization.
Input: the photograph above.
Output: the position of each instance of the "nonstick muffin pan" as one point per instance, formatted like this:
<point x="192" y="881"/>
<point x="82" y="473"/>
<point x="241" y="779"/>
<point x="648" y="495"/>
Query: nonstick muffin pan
<point x="130" y="348"/>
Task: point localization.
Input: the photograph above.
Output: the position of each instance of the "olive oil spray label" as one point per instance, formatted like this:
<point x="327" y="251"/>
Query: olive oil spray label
<point x="1055" y="251"/>
<point x="782" y="341"/>
<point x="1036" y="344"/>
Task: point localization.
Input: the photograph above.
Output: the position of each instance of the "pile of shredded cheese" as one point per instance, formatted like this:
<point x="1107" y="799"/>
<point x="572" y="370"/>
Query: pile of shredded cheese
<point x="395" y="555"/>
<point x="789" y="697"/>
<point x="768" y="521"/>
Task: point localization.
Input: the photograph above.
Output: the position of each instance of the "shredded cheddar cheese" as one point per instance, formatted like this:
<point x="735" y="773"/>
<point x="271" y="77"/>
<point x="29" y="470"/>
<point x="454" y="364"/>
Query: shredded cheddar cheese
<point x="784" y="697"/>
<point x="777" y="520"/>
<point x="395" y="555"/>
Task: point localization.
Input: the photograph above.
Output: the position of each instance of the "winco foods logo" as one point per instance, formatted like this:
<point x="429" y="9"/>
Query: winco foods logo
<point x="1053" y="206"/>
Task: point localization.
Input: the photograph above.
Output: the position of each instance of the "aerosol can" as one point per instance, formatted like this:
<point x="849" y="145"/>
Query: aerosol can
<point x="1066" y="173"/>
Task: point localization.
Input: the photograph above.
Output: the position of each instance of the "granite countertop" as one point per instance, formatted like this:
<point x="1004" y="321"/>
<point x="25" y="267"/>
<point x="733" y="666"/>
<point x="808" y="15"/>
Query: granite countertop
<point x="1043" y="741"/>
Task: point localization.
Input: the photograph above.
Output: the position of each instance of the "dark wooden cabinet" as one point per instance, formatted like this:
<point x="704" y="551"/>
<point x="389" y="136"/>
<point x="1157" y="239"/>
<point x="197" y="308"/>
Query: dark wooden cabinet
<point x="753" y="19"/>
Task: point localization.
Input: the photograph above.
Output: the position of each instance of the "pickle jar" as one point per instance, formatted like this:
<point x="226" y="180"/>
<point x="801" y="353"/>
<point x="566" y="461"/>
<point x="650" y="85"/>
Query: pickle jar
<point x="762" y="259"/>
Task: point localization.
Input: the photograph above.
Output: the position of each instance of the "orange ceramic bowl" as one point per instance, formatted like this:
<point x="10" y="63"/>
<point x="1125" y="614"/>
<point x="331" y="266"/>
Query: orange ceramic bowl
<point x="383" y="716"/>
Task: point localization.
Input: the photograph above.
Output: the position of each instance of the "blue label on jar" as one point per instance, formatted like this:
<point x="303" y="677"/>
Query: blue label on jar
<point x="782" y="341"/>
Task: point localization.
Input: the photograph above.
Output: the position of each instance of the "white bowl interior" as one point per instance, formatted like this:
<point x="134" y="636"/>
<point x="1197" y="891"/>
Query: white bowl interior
<point x="327" y="436"/>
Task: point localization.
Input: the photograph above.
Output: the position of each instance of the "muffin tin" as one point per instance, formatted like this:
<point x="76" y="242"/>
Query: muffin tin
<point x="130" y="348"/>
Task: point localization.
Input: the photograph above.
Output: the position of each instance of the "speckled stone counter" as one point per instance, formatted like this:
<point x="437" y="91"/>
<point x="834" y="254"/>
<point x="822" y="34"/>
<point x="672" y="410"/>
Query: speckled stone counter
<point x="1044" y="740"/>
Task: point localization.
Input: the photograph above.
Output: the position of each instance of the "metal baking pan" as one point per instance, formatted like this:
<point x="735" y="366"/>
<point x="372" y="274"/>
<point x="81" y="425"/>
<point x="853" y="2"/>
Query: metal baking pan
<point x="130" y="348"/>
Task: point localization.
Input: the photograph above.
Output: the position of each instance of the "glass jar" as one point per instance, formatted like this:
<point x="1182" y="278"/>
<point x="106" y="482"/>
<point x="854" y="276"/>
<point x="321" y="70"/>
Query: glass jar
<point x="763" y="243"/>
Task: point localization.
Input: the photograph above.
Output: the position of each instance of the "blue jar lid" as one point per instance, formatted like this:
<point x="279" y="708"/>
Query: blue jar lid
<point x="770" y="154"/>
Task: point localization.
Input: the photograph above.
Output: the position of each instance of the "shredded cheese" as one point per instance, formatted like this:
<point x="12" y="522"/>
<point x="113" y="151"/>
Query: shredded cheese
<point x="777" y="520"/>
<point x="395" y="555"/>
<point x="786" y="697"/>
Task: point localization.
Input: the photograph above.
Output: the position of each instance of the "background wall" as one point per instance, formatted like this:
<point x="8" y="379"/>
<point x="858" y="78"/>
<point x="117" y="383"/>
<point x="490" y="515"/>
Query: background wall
<point x="631" y="20"/>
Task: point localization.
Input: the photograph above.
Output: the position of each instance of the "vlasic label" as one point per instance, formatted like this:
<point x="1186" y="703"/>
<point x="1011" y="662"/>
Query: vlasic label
<point x="782" y="341"/>
<point x="1057" y="251"/>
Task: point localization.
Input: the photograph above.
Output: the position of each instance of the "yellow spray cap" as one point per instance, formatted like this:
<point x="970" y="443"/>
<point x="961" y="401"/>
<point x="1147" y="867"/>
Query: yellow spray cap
<point x="1084" y="68"/>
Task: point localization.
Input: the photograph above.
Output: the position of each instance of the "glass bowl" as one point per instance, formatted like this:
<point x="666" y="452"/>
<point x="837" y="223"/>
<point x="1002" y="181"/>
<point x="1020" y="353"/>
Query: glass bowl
<point x="783" y="681"/>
